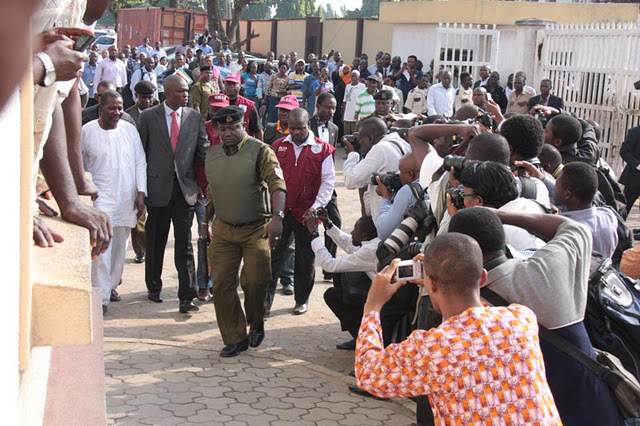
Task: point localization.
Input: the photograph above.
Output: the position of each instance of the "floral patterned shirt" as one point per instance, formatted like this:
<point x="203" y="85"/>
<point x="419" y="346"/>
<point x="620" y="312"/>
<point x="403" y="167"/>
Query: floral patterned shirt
<point x="483" y="366"/>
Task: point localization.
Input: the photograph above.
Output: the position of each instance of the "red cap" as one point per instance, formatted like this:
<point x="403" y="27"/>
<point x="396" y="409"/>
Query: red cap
<point x="288" y="102"/>
<point x="219" y="100"/>
<point x="235" y="78"/>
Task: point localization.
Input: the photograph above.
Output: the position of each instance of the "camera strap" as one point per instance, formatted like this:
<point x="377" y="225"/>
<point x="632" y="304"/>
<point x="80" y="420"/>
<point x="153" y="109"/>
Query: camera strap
<point x="397" y="146"/>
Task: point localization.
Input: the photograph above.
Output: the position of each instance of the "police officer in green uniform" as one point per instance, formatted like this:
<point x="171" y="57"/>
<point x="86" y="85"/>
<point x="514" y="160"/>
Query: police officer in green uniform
<point x="384" y="103"/>
<point x="242" y="172"/>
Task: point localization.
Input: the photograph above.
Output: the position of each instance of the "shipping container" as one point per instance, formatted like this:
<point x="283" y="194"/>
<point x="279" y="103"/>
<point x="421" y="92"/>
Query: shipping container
<point x="170" y="26"/>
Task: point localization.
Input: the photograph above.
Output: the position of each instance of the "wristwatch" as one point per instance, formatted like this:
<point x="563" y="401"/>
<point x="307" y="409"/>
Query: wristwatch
<point x="279" y="213"/>
<point x="49" y="69"/>
<point x="314" y="235"/>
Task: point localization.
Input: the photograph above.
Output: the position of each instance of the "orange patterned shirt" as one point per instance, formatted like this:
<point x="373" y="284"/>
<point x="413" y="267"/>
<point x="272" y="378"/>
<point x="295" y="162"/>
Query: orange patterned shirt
<point x="482" y="367"/>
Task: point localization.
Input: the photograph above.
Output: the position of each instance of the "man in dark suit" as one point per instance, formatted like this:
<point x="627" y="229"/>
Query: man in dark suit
<point x="324" y="128"/>
<point x="174" y="138"/>
<point x="630" y="178"/>
<point x="546" y="98"/>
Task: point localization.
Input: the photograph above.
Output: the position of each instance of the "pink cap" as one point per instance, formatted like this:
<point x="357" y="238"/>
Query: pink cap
<point x="234" y="78"/>
<point x="219" y="100"/>
<point x="288" y="102"/>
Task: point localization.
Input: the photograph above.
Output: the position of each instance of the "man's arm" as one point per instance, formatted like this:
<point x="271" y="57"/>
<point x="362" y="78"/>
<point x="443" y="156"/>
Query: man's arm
<point x="361" y="260"/>
<point x="327" y="183"/>
<point x="544" y="226"/>
<point x="270" y="172"/>
<point x="73" y="129"/>
<point x="357" y="174"/>
<point x="98" y="76"/>
<point x="56" y="170"/>
<point x="255" y="124"/>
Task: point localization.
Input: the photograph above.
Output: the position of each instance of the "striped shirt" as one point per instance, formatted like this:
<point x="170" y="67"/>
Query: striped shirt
<point x="365" y="105"/>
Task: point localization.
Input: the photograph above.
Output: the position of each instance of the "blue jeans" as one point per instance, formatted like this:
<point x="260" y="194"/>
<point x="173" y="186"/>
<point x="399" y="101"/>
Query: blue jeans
<point x="286" y="277"/>
<point x="200" y="210"/>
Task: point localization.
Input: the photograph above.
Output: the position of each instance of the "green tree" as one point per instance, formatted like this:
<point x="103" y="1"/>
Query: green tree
<point x="295" y="9"/>
<point x="257" y="11"/>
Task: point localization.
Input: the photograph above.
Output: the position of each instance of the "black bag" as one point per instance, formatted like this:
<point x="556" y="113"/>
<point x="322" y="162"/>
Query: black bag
<point x="625" y="238"/>
<point x="609" y="192"/>
<point x="612" y="317"/>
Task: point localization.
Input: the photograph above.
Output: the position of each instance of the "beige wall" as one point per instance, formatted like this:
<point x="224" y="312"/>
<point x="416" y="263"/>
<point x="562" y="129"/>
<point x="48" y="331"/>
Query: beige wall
<point x="291" y="34"/>
<point x="261" y="44"/>
<point x="377" y="37"/>
<point x="340" y="34"/>
<point x="504" y="12"/>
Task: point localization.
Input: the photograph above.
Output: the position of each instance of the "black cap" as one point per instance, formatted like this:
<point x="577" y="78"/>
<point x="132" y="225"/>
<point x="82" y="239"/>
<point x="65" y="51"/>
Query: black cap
<point x="144" y="88"/>
<point x="229" y="115"/>
<point x="206" y="68"/>
<point x="383" y="95"/>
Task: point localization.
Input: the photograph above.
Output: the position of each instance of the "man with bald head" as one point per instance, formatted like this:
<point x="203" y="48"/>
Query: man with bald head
<point x="307" y="165"/>
<point x="174" y="138"/>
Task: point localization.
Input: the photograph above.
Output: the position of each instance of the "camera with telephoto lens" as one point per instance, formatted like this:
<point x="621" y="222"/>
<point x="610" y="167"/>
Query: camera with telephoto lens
<point x="455" y="161"/>
<point x="457" y="196"/>
<point x="390" y="179"/>
<point x="353" y="140"/>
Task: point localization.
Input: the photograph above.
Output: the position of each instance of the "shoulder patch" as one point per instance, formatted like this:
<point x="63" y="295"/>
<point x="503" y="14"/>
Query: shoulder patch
<point x="316" y="148"/>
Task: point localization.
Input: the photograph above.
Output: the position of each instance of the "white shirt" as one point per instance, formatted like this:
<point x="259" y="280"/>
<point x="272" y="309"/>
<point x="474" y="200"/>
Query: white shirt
<point x="150" y="76"/>
<point x="145" y="49"/>
<point x="382" y="158"/>
<point x="118" y="166"/>
<point x="235" y="67"/>
<point x="161" y="53"/>
<point x="358" y="259"/>
<point x="440" y="100"/>
<point x="169" y="119"/>
<point x="113" y="71"/>
<point x="327" y="173"/>
<point x="351" y="92"/>
<point x="603" y="225"/>
<point x="323" y="132"/>
<point x="519" y="238"/>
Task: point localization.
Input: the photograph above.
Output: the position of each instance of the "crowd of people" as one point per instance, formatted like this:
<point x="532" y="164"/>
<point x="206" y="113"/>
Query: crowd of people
<point x="249" y="148"/>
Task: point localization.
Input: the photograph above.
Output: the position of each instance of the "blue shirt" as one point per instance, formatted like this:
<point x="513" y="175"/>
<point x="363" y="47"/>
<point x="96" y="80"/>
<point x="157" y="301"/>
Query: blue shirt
<point x="87" y="77"/>
<point x="391" y="214"/>
<point x="310" y="92"/>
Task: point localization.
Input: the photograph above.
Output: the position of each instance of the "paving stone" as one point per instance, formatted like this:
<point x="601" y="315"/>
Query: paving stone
<point x="183" y="410"/>
<point x="289" y="414"/>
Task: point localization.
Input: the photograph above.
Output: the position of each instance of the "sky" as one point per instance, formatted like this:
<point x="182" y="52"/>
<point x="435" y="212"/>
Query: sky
<point x="350" y="4"/>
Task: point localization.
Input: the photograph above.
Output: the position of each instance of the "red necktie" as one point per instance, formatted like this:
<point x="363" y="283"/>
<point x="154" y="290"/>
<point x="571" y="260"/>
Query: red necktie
<point x="175" y="130"/>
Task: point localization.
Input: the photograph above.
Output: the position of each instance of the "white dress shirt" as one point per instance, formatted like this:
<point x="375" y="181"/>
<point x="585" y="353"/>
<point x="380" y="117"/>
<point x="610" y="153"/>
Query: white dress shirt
<point x="118" y="166"/>
<point x="114" y="71"/>
<point x="440" y="100"/>
<point x="327" y="174"/>
<point x="235" y="67"/>
<point x="383" y="157"/>
<point x="143" y="74"/>
<point x="351" y="92"/>
<point x="323" y="132"/>
<point x="358" y="259"/>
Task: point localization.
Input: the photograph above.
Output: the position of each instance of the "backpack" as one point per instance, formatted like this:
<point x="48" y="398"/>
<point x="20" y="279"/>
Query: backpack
<point x="625" y="238"/>
<point x="609" y="192"/>
<point x="612" y="316"/>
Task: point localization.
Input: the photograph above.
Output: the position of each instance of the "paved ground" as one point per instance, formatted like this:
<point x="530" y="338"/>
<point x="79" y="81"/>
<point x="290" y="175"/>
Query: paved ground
<point x="163" y="367"/>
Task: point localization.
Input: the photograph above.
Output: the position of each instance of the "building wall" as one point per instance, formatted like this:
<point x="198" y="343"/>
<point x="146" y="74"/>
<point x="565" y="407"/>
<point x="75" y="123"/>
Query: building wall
<point x="377" y="36"/>
<point x="504" y="12"/>
<point x="291" y="35"/>
<point x="261" y="44"/>
<point x="340" y="35"/>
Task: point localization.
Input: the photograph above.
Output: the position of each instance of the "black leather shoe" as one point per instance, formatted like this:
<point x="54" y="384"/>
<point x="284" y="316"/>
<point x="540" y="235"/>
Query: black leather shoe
<point x="139" y="258"/>
<point x="234" y="349"/>
<point x="256" y="335"/>
<point x="347" y="346"/>
<point x="187" y="306"/>
<point x="115" y="297"/>
<point x="355" y="389"/>
<point x="155" y="297"/>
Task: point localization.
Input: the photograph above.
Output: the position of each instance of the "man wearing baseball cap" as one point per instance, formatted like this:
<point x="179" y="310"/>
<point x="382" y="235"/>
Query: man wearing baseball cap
<point x="296" y="79"/>
<point x="253" y="124"/>
<point x="216" y="103"/>
<point x="365" y="105"/>
<point x="241" y="171"/>
<point x="280" y="129"/>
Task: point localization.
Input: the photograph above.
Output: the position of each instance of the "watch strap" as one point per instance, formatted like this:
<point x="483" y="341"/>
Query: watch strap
<point x="279" y="213"/>
<point x="49" y="70"/>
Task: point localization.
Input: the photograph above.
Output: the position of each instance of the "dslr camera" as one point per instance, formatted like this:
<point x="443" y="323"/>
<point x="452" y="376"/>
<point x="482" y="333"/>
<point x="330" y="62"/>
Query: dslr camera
<point x="390" y="179"/>
<point x="353" y="140"/>
<point x="455" y="161"/>
<point x="457" y="196"/>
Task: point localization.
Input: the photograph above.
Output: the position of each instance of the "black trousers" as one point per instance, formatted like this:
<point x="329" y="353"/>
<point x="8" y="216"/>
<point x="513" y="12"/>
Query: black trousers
<point x="345" y="305"/>
<point x="334" y="216"/>
<point x="304" y="273"/>
<point x="631" y="193"/>
<point x="159" y="220"/>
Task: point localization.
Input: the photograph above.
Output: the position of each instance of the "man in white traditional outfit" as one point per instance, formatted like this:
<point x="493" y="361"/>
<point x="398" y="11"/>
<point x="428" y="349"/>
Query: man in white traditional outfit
<point x="112" y="152"/>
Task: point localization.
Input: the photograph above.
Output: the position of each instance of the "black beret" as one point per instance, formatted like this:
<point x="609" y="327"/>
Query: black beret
<point x="144" y="88"/>
<point x="206" y="68"/>
<point x="383" y="95"/>
<point x="229" y="115"/>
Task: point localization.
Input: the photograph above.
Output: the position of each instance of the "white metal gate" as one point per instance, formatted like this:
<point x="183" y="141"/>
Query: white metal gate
<point x="465" y="48"/>
<point x="593" y="68"/>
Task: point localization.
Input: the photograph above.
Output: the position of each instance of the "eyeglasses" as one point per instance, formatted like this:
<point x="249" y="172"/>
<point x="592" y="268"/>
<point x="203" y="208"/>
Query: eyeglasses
<point x="473" y="194"/>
